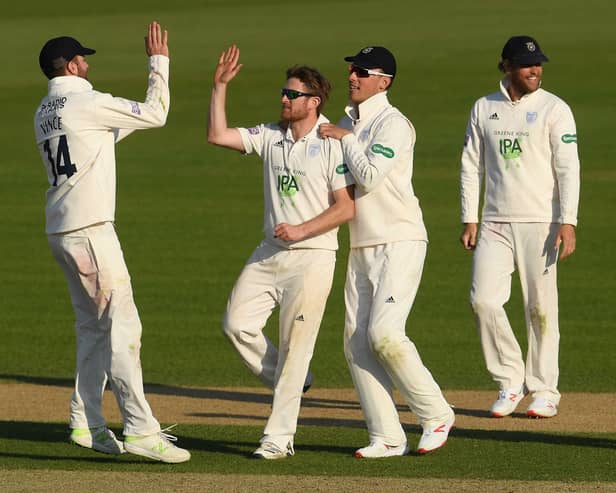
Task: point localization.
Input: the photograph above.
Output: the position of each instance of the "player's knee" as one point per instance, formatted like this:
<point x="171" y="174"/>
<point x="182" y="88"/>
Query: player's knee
<point x="354" y="345"/>
<point x="484" y="306"/>
<point x="384" y="346"/>
<point x="231" y="327"/>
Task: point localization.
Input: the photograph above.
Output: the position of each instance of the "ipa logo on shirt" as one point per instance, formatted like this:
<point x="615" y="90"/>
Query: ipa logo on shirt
<point x="510" y="148"/>
<point x="287" y="185"/>
<point x="569" y="138"/>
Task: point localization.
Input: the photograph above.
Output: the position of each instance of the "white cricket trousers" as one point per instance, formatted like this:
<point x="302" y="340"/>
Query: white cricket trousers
<point x="381" y="285"/>
<point x="500" y="249"/>
<point x="107" y="326"/>
<point x="299" y="282"/>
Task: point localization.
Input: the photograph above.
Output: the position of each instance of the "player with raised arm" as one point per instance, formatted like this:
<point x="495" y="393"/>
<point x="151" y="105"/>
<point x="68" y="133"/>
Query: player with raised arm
<point x="76" y="129"/>
<point x="308" y="193"/>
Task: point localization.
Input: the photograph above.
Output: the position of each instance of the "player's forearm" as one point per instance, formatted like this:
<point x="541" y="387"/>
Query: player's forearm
<point x="218" y="132"/>
<point x="217" y="118"/>
<point x="470" y="186"/>
<point x="339" y="213"/>
<point x="157" y="99"/>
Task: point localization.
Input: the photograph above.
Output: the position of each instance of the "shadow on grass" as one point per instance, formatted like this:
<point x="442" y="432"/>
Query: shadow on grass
<point x="533" y="437"/>
<point x="55" y="433"/>
<point x="198" y="393"/>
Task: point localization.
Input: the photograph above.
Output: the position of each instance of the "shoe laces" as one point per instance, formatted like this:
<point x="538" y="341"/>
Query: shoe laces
<point x="166" y="436"/>
<point x="271" y="447"/>
<point x="274" y="448"/>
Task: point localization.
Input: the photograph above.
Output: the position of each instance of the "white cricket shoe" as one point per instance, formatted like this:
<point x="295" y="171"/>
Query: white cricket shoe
<point x="101" y="439"/>
<point x="507" y="401"/>
<point x="435" y="436"/>
<point x="158" y="446"/>
<point x="379" y="450"/>
<point x="271" y="451"/>
<point x="542" y="408"/>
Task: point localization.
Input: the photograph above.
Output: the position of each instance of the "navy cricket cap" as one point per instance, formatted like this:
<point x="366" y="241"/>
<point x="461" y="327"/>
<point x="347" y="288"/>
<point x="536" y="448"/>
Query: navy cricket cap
<point x="374" y="57"/>
<point x="523" y="50"/>
<point x="57" y="51"/>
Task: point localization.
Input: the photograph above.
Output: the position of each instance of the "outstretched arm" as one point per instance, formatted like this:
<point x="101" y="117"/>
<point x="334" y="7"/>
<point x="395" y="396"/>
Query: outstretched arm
<point x="332" y="131"/>
<point x="371" y="165"/>
<point x="217" y="131"/>
<point x="125" y="116"/>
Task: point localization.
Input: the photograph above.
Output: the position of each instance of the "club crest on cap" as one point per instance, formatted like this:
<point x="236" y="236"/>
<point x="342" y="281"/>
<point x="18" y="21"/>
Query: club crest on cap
<point x="367" y="50"/>
<point x="530" y="46"/>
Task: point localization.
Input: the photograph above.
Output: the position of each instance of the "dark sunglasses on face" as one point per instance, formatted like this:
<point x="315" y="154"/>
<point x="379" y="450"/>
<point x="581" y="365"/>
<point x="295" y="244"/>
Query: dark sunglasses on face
<point x="293" y="94"/>
<point x="362" y="72"/>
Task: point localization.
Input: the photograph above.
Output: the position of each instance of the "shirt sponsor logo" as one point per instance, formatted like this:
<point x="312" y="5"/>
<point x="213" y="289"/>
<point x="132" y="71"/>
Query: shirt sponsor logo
<point x="254" y="131"/>
<point x="341" y="169"/>
<point x="278" y="144"/>
<point x="493" y="116"/>
<point x="381" y="149"/>
<point x="52" y="105"/>
<point x="510" y="149"/>
<point x="531" y="117"/>
<point x="134" y="108"/>
<point x="287" y="185"/>
<point x="569" y="138"/>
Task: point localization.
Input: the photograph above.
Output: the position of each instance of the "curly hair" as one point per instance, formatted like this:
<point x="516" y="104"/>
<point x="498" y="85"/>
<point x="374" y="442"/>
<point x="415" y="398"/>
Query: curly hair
<point x="316" y="83"/>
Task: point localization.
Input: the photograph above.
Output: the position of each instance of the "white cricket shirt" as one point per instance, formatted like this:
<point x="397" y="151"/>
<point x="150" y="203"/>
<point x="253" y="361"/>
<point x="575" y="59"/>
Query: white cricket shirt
<point x="76" y="128"/>
<point x="527" y="151"/>
<point x="379" y="154"/>
<point x="299" y="178"/>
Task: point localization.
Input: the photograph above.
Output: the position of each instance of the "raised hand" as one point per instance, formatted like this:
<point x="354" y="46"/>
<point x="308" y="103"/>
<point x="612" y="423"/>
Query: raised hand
<point x="228" y="65"/>
<point x="156" y="40"/>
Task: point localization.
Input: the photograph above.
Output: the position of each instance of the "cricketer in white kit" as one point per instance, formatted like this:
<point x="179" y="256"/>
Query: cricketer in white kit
<point x="76" y="129"/>
<point x="521" y="141"/>
<point x="388" y="248"/>
<point x="307" y="192"/>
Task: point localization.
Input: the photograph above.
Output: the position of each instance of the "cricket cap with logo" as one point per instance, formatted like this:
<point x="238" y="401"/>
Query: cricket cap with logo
<point x="523" y="50"/>
<point x="57" y="51"/>
<point x="374" y="57"/>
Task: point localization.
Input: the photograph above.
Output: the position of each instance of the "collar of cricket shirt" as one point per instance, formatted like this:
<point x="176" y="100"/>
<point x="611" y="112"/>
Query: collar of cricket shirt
<point x="370" y="107"/>
<point x="504" y="84"/>
<point x="66" y="83"/>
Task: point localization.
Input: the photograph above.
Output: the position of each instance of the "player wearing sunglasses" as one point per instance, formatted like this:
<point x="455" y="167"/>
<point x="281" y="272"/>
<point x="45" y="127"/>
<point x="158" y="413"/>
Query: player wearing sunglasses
<point x="308" y="193"/>
<point x="388" y="247"/>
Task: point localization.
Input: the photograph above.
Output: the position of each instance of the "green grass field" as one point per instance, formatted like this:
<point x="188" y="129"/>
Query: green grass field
<point x="189" y="214"/>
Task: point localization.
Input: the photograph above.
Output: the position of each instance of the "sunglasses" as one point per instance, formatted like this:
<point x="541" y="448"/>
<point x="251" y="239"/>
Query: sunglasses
<point x="364" y="72"/>
<point x="293" y="94"/>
